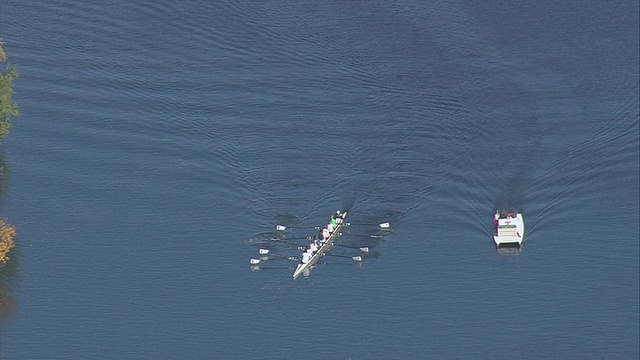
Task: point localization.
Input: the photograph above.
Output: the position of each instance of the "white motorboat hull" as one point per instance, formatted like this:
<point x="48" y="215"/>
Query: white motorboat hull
<point x="510" y="231"/>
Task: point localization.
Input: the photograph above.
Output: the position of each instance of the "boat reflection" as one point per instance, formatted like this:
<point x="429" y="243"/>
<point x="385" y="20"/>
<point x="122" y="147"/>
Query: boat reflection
<point x="504" y="250"/>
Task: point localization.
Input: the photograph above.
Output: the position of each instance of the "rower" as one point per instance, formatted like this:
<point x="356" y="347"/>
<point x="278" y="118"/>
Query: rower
<point x="325" y="233"/>
<point x="330" y="227"/>
<point x="308" y="251"/>
<point x="318" y="240"/>
<point x="305" y="257"/>
<point x="339" y="217"/>
<point x="313" y="247"/>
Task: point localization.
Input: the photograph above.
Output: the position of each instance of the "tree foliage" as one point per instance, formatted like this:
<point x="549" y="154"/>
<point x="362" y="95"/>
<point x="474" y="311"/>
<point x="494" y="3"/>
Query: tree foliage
<point x="7" y="233"/>
<point x="8" y="108"/>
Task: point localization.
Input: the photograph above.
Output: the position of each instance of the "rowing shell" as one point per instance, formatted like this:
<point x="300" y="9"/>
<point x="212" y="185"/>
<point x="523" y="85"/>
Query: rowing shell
<point x="324" y="248"/>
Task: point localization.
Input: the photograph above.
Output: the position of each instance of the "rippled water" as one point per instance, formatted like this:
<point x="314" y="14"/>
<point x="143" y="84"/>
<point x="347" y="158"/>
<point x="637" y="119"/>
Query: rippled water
<point x="159" y="141"/>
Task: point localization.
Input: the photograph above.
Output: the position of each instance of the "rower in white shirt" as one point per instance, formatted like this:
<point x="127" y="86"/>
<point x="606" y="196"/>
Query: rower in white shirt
<point x="313" y="247"/>
<point x="305" y="257"/>
<point x="325" y="233"/>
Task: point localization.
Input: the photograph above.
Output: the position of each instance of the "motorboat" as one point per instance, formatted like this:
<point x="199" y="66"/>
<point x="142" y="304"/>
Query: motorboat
<point x="508" y="228"/>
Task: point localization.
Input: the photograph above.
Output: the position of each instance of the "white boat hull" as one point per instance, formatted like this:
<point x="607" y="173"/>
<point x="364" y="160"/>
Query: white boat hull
<point x="510" y="231"/>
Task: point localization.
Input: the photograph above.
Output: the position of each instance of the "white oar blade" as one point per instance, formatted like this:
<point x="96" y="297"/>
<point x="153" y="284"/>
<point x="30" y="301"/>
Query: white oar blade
<point x="281" y="227"/>
<point x="357" y="258"/>
<point x="364" y="249"/>
<point x="255" y="261"/>
<point x="384" y="225"/>
<point x="263" y="251"/>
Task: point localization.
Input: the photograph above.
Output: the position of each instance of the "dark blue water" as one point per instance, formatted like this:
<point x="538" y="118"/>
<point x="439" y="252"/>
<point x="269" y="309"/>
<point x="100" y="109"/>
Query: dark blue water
<point x="159" y="141"/>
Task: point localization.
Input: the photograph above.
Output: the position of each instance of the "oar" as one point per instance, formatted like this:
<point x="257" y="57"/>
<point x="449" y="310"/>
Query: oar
<point x="290" y="243"/>
<point x="292" y="238"/>
<point x="266" y="258"/>
<point x="354" y="258"/>
<point x="263" y="251"/>
<point x="258" y="268"/>
<point x="366" y="236"/>
<point x="385" y="225"/>
<point x="363" y="249"/>
<point x="283" y="227"/>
